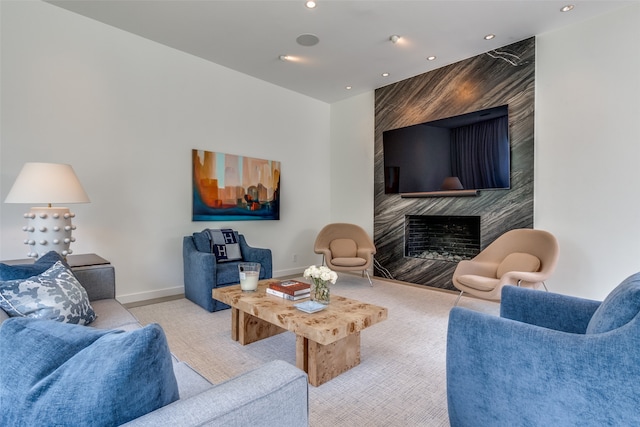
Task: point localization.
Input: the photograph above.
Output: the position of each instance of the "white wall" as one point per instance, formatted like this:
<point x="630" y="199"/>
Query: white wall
<point x="126" y="112"/>
<point x="352" y="158"/>
<point x="587" y="150"/>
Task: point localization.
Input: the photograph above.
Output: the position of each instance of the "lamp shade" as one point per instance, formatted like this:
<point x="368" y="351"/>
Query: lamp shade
<point x="47" y="183"/>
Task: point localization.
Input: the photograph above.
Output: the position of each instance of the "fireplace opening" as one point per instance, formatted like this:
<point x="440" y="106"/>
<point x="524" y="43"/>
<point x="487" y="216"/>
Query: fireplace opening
<point x="442" y="237"/>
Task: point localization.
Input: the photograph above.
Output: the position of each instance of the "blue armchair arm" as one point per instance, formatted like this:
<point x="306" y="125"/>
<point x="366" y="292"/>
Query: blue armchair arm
<point x="200" y="274"/>
<point x="263" y="256"/>
<point x="546" y="309"/>
<point x="502" y="372"/>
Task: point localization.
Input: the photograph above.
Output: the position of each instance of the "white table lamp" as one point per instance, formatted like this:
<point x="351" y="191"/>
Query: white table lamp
<point x="49" y="228"/>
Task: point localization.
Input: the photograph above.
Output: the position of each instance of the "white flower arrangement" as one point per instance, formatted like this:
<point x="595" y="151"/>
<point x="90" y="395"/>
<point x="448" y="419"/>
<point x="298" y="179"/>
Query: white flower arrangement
<point x="322" y="273"/>
<point x="320" y="278"/>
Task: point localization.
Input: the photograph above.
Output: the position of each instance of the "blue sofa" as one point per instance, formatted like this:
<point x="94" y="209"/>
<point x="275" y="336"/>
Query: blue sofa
<point x="202" y="273"/>
<point x="548" y="360"/>
<point x="274" y="394"/>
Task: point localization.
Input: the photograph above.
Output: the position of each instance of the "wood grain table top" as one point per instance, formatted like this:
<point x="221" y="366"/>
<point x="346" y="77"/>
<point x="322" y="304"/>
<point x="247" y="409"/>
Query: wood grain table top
<point x="342" y="317"/>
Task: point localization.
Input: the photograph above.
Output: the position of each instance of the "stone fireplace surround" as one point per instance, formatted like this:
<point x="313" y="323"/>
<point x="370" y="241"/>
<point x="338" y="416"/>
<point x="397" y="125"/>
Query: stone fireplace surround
<point x="502" y="76"/>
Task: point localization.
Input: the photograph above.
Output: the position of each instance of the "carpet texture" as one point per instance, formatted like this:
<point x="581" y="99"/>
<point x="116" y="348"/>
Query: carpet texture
<point x="399" y="382"/>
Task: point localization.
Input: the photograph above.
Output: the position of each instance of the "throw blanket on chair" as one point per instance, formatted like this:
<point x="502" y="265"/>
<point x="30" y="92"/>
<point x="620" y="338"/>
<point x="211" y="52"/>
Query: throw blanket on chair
<point x="224" y="244"/>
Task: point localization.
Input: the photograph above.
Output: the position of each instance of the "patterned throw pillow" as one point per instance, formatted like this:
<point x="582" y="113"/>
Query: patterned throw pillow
<point x="55" y="294"/>
<point x="224" y="245"/>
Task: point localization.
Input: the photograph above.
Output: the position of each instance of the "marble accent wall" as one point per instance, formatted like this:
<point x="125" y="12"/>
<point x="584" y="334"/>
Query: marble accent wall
<point x="502" y="76"/>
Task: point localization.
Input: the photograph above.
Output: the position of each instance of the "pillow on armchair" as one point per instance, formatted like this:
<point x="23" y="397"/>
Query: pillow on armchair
<point x="518" y="261"/>
<point x="60" y="374"/>
<point x="223" y="243"/>
<point x="344" y="252"/>
<point x="343" y="248"/>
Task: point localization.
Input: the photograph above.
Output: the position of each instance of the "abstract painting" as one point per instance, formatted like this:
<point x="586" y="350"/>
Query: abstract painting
<point x="228" y="187"/>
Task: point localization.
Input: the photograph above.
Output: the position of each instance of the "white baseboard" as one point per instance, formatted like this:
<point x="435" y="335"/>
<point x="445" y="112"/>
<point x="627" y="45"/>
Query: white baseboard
<point x="179" y="290"/>
<point x="149" y="295"/>
<point x="289" y="272"/>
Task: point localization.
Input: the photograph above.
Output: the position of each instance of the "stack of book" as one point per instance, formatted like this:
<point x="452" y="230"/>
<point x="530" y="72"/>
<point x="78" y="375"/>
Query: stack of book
<point x="290" y="289"/>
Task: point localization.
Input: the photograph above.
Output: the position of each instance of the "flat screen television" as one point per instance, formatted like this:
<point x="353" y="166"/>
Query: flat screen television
<point x="466" y="152"/>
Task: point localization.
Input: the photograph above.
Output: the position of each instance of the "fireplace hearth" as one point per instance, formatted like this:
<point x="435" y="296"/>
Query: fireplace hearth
<point x="442" y="237"/>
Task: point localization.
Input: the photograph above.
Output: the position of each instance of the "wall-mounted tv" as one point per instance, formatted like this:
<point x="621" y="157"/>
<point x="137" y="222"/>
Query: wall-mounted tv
<point x="428" y="157"/>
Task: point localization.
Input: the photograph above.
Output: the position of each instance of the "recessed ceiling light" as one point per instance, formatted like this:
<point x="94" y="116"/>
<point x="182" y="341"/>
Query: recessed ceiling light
<point x="431" y="58"/>
<point x="489" y="36"/>
<point x="310" y="4"/>
<point x="284" y="57"/>
<point x="567" y="8"/>
<point x="394" y="38"/>
<point x="347" y="87"/>
<point x="385" y="74"/>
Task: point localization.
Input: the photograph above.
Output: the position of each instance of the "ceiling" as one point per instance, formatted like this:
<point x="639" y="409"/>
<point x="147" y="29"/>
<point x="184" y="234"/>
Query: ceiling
<point x="354" y="46"/>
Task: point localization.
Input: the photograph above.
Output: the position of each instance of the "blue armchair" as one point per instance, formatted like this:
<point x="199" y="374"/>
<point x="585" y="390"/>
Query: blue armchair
<point x="202" y="273"/>
<point x="548" y="360"/>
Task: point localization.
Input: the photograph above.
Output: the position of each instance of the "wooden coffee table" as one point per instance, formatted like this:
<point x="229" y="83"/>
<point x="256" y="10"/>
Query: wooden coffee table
<point x="327" y="342"/>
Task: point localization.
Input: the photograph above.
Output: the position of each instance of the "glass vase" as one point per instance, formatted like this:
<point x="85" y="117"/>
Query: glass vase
<point x="320" y="291"/>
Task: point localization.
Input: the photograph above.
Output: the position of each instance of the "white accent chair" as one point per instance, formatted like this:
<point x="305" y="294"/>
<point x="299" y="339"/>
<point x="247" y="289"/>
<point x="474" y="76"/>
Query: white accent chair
<point x="521" y="257"/>
<point x="345" y="247"/>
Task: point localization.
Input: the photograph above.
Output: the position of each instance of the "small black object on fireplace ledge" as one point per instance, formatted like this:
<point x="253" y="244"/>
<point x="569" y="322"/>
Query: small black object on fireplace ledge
<point x="450" y="193"/>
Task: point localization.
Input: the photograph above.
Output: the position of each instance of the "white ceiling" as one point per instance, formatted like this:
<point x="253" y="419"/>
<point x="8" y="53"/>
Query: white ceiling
<point x="354" y="48"/>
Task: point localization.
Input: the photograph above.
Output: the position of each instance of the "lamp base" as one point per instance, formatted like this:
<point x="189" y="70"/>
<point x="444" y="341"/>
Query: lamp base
<point x="49" y="230"/>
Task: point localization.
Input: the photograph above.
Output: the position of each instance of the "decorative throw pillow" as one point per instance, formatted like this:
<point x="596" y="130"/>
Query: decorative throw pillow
<point x="224" y="245"/>
<point x="55" y="294"/>
<point x="24" y="271"/>
<point x="618" y="308"/>
<point x="343" y="248"/>
<point x="518" y="261"/>
<point x="68" y="375"/>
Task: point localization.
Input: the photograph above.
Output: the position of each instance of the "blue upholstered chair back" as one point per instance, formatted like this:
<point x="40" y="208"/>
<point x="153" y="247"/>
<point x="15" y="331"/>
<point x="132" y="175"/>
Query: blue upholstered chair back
<point x="549" y="359"/>
<point x="620" y="307"/>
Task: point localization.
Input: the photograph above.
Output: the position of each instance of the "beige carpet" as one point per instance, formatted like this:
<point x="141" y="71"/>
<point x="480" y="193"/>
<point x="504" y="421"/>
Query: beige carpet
<point x="399" y="382"/>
